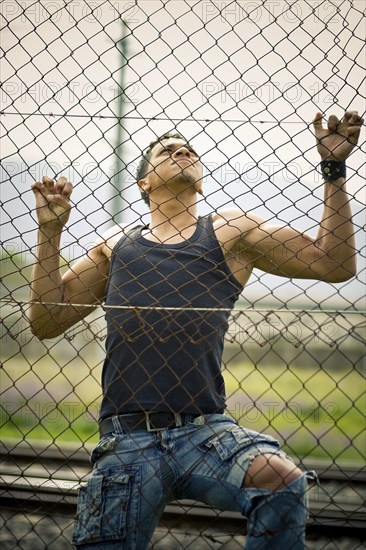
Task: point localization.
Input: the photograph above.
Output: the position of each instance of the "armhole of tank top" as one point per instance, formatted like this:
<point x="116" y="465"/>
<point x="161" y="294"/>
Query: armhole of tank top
<point x="115" y="251"/>
<point x="217" y="250"/>
<point x="122" y="239"/>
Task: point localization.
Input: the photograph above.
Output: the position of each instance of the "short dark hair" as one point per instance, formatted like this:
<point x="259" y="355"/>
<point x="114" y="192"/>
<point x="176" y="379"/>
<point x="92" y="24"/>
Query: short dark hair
<point x="144" y="165"/>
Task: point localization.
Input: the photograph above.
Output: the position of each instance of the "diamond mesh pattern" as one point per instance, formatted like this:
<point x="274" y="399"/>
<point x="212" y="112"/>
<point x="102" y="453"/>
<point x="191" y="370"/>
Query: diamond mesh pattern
<point x="86" y="85"/>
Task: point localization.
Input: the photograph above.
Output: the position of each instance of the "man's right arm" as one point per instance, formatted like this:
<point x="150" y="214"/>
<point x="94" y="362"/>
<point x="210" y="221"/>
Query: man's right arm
<point x="57" y="302"/>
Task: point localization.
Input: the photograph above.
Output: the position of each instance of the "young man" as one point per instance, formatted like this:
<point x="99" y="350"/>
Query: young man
<point x="168" y="289"/>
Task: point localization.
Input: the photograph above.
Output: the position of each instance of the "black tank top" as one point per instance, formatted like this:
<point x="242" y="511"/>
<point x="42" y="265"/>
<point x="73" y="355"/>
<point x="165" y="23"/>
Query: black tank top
<point x="167" y="359"/>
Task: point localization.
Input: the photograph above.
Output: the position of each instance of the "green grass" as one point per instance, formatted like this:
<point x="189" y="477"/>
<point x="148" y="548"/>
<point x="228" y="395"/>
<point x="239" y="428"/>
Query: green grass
<point x="61" y="430"/>
<point x="313" y="412"/>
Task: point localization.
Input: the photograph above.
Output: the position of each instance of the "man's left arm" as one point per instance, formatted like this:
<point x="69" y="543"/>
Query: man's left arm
<point x="331" y="255"/>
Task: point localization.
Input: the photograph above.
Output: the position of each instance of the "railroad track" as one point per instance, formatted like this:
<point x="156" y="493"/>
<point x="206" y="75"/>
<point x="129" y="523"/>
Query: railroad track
<point x="42" y="478"/>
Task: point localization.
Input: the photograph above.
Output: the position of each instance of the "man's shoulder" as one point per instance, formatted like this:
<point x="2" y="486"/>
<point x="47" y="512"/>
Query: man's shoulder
<point x="112" y="236"/>
<point x="235" y="218"/>
<point x="117" y="231"/>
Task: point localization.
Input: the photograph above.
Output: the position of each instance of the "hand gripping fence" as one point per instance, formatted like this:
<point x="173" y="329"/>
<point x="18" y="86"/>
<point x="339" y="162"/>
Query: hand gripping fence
<point x="86" y="85"/>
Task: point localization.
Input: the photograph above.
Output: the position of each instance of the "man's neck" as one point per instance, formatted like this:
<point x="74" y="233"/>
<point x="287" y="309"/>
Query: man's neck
<point x="172" y="222"/>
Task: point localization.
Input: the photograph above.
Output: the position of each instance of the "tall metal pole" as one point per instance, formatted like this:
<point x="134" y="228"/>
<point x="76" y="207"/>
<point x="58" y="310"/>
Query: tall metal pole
<point x="117" y="189"/>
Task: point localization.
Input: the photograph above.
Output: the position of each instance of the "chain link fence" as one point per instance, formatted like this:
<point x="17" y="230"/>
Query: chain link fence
<point x="86" y="85"/>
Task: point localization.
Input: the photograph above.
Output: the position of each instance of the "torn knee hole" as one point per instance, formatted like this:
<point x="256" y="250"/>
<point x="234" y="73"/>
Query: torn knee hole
<point x="271" y="471"/>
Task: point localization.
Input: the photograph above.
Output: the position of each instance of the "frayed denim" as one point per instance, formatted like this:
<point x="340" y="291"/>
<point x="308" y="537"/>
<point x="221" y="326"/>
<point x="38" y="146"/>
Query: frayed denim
<point x="136" y="474"/>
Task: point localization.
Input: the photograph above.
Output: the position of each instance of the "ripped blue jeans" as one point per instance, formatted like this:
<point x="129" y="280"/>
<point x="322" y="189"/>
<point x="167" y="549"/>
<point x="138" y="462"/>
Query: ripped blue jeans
<point x="136" y="474"/>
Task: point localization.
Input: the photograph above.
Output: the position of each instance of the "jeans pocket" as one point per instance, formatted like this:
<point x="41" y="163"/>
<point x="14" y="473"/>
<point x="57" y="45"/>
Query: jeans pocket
<point x="231" y="452"/>
<point x="226" y="444"/>
<point x="107" y="443"/>
<point x="102" y="507"/>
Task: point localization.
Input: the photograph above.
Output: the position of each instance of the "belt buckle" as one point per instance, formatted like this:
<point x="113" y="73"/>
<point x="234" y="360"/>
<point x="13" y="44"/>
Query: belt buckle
<point x="148" y="425"/>
<point x="177" y="422"/>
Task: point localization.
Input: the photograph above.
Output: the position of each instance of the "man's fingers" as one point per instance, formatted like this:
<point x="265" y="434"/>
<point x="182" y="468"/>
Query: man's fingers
<point x="353" y="118"/>
<point x="57" y="199"/>
<point x="318" y="121"/>
<point x="49" y="187"/>
<point x="40" y="187"/>
<point x="61" y="181"/>
<point x="63" y="187"/>
<point x="333" y="122"/>
<point x="350" y="118"/>
<point x="352" y="122"/>
<point x="48" y="183"/>
<point x="353" y="133"/>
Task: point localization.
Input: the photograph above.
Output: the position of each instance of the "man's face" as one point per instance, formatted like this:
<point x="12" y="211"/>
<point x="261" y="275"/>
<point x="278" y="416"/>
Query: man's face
<point x="174" y="162"/>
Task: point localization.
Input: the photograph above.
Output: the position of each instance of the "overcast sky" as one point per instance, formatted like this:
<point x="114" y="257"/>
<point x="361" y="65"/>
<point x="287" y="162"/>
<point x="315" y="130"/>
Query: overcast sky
<point x="242" y="80"/>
